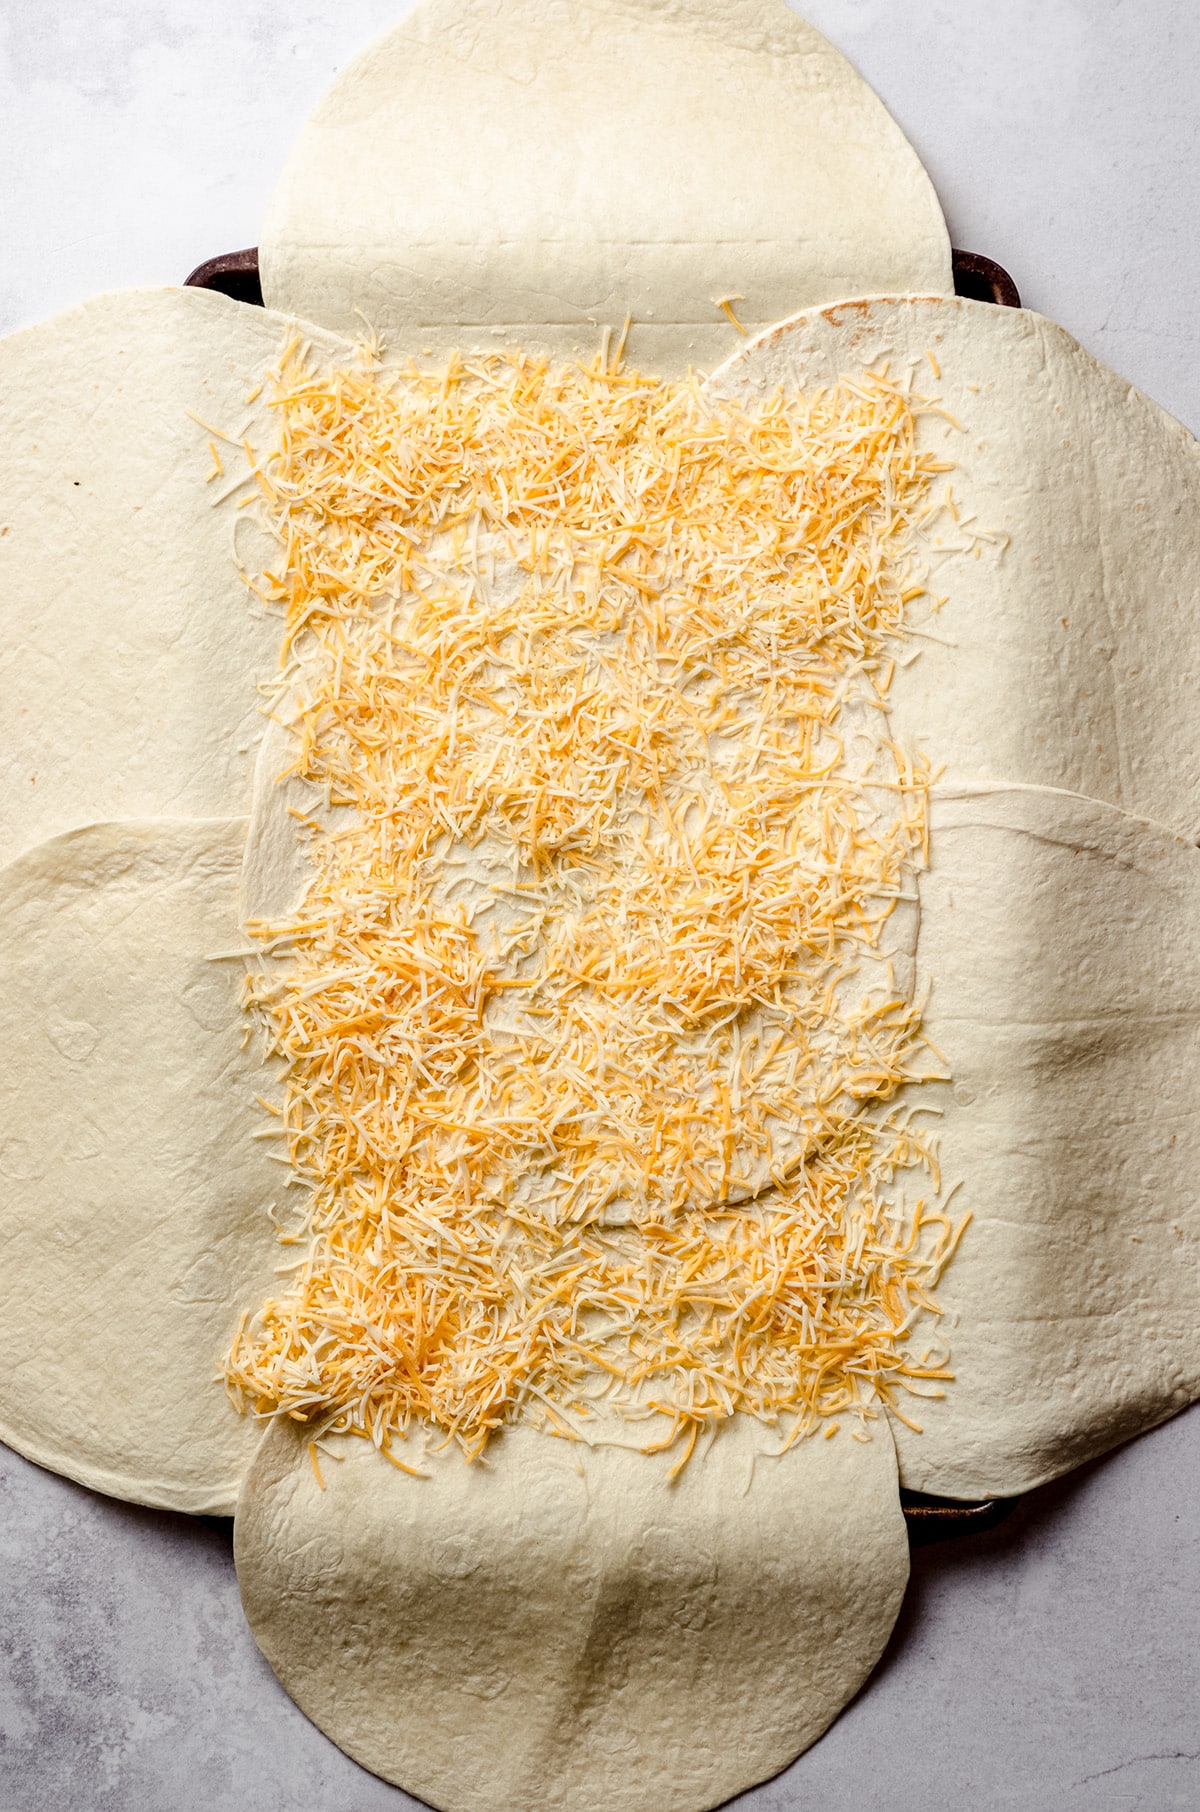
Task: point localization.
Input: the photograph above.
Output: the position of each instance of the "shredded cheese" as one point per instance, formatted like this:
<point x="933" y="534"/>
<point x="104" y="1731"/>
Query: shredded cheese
<point x="592" y="1011"/>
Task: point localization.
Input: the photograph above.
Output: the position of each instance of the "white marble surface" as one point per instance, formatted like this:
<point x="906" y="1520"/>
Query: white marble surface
<point x="1050" y="1666"/>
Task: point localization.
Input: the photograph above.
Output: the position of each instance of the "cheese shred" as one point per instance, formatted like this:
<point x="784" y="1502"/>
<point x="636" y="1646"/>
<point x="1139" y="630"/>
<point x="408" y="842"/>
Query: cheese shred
<point x="592" y="1022"/>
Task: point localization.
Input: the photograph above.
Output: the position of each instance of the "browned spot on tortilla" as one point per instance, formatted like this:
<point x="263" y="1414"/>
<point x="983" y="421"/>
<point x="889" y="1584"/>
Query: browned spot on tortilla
<point x="862" y="305"/>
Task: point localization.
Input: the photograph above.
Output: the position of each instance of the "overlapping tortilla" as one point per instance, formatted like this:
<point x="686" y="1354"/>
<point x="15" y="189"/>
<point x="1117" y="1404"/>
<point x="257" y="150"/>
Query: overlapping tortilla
<point x="1060" y="935"/>
<point x="278" y="867"/>
<point x="1067" y="652"/>
<point x="558" y="1625"/>
<point x="134" y="1196"/>
<point x="129" y="645"/>
<point x="529" y="172"/>
<point x="1063" y="938"/>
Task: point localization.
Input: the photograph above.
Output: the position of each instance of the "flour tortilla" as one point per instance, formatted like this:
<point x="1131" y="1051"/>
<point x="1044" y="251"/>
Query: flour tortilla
<point x="278" y="869"/>
<point x="1071" y="657"/>
<point x="133" y="1201"/>
<point x="529" y="172"/>
<point x="1061" y="935"/>
<point x="129" y="645"/>
<point x="1063" y="939"/>
<point x="560" y="1626"/>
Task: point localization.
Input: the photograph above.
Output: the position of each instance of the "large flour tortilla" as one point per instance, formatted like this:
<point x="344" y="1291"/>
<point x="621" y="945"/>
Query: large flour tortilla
<point x="1063" y="938"/>
<point x="129" y="645"/>
<point x="133" y="1198"/>
<point x="1070" y="658"/>
<point x="528" y="172"/>
<point x="560" y="1627"/>
<point x="1063" y="984"/>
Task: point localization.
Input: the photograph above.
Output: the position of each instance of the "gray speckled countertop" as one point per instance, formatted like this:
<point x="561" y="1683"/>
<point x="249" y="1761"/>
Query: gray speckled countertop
<point x="1052" y="1665"/>
<point x="1048" y="1666"/>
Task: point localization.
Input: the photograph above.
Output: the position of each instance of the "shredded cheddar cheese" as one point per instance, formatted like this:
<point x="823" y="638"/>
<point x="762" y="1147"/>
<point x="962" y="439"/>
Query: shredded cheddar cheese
<point x="591" y="1014"/>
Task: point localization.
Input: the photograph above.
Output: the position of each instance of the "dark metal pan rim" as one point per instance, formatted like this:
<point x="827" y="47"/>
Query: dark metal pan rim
<point x="235" y="274"/>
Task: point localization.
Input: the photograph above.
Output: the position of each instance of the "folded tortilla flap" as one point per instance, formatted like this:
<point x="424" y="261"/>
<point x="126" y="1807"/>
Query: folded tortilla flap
<point x="1058" y="636"/>
<point x="1063" y="941"/>
<point x="130" y="645"/>
<point x="559" y="1625"/>
<point x="489" y="174"/>
<point x="135" y="1185"/>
